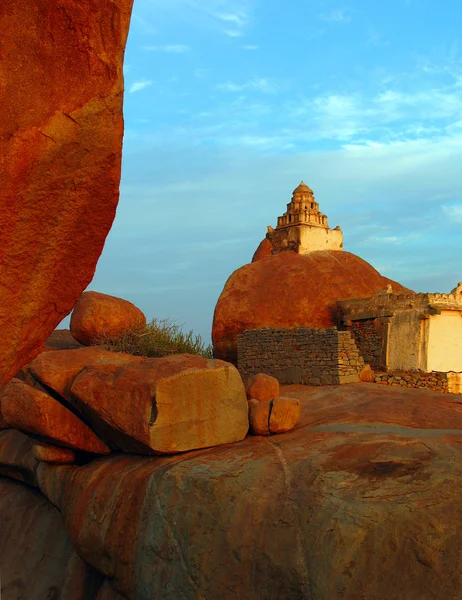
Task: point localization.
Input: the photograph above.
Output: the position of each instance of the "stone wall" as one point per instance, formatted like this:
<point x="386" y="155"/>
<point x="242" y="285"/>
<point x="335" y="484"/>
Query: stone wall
<point x="438" y="381"/>
<point x="302" y="355"/>
<point x="368" y="338"/>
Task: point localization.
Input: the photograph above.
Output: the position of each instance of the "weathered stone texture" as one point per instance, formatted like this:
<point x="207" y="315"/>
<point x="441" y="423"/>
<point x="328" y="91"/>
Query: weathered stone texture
<point x="61" y="130"/>
<point x="302" y="355"/>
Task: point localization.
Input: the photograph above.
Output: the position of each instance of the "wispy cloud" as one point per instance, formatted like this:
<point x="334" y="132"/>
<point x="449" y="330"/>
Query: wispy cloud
<point x="260" y="84"/>
<point x="249" y="47"/>
<point x="137" y="86"/>
<point x="171" y="48"/>
<point x="339" y="15"/>
<point x="453" y="212"/>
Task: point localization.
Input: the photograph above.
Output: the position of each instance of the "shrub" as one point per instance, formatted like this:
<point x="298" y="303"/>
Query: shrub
<point x="159" y="338"/>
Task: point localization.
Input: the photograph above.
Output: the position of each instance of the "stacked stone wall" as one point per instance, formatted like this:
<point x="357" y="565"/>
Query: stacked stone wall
<point x="435" y="380"/>
<point x="302" y="355"/>
<point x="368" y="338"/>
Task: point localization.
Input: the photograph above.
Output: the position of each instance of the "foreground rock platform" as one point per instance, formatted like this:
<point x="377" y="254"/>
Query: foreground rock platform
<point x="61" y="130"/>
<point x="360" y="500"/>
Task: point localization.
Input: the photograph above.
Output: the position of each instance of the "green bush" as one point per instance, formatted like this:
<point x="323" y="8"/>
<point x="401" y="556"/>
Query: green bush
<point x="159" y="338"/>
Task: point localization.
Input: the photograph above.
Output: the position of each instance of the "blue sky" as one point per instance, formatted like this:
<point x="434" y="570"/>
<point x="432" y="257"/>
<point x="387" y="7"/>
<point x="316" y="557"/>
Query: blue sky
<point x="229" y="104"/>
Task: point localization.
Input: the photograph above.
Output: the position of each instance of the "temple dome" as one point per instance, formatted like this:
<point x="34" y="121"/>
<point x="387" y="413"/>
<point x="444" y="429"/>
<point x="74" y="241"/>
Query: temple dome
<point x="302" y="188"/>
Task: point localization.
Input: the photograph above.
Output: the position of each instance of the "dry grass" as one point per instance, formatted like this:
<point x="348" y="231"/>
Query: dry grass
<point x="159" y="338"/>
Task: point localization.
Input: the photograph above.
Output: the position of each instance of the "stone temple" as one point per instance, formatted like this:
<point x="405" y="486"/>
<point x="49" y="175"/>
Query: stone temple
<point x="303" y="228"/>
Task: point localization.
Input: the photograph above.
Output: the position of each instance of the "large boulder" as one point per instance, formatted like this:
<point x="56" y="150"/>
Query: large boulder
<point x="61" y="131"/>
<point x="163" y="405"/>
<point x="30" y="410"/>
<point x="290" y="290"/>
<point x="98" y="317"/>
<point x="361" y="500"/>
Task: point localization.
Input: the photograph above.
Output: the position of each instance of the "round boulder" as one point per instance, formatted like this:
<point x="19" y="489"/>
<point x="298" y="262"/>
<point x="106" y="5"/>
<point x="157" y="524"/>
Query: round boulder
<point x="97" y="317"/>
<point x="262" y="387"/>
<point x="290" y="290"/>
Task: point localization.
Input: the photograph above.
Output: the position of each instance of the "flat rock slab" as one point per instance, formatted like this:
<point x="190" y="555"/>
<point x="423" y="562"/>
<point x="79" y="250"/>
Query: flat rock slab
<point x="61" y="130"/>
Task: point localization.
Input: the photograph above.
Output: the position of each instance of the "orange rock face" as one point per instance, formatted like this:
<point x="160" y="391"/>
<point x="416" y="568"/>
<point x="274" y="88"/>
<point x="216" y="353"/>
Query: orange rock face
<point x="61" y="133"/>
<point x="264" y="250"/>
<point x="98" y="316"/>
<point x="262" y="387"/>
<point x="32" y="411"/>
<point x="290" y="290"/>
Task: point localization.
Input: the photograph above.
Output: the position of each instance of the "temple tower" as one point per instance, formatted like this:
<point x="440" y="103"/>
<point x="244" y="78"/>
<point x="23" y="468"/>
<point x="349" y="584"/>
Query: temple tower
<point x="303" y="227"/>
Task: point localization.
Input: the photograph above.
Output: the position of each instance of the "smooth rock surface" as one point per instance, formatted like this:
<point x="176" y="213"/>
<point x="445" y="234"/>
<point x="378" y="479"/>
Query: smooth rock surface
<point x="97" y="317"/>
<point x="61" y="130"/>
<point x="361" y="500"/>
<point x="32" y="411"/>
<point x="290" y="290"/>
<point x="262" y="387"/>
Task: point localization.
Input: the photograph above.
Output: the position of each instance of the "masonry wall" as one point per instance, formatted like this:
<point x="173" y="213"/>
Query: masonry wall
<point x="367" y="334"/>
<point x="302" y="355"/>
<point x="435" y="380"/>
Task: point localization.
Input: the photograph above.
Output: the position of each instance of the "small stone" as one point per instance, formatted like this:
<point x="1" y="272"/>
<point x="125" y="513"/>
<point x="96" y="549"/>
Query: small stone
<point x="366" y="374"/>
<point x="285" y="414"/>
<point x="262" y="387"/>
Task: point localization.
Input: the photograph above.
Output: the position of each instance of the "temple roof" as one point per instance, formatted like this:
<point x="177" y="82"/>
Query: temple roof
<point x="303" y="188"/>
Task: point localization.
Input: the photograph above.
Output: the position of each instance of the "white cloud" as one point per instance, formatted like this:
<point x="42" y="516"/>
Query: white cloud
<point x="339" y="15"/>
<point x="249" y="47"/>
<point x="233" y="33"/>
<point x="238" y="19"/>
<point x="260" y="84"/>
<point x="453" y="212"/>
<point x="139" y="85"/>
<point x="171" y="49"/>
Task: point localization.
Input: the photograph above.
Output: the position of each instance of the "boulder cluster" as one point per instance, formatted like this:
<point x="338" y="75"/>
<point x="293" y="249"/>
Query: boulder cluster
<point x="270" y="413"/>
<point x="85" y="401"/>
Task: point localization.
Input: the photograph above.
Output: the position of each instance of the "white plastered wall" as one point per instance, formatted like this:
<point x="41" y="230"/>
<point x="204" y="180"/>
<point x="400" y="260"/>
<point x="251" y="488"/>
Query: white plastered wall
<point x="319" y="238"/>
<point x="444" y="346"/>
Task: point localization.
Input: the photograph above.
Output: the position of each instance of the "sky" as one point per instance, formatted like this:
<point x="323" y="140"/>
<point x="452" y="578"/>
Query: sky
<point x="229" y="104"/>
